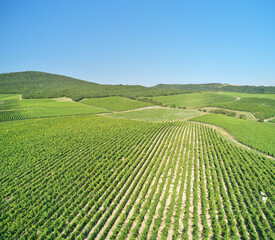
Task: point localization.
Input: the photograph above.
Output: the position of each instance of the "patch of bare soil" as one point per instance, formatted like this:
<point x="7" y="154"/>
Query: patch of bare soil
<point x="269" y="119"/>
<point x="63" y="99"/>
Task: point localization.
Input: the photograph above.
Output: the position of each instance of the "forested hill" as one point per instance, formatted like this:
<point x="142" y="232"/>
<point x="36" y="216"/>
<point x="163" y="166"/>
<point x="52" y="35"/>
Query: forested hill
<point x="43" y="85"/>
<point x="33" y="84"/>
<point x="217" y="87"/>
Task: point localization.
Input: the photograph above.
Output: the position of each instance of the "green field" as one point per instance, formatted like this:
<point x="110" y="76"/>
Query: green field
<point x="118" y="168"/>
<point x="115" y="103"/>
<point x="247" y="95"/>
<point x="156" y="114"/>
<point x="90" y="177"/>
<point x="193" y="100"/>
<point x="260" y="136"/>
<point x="239" y="114"/>
<point x="11" y="108"/>
<point x="262" y="108"/>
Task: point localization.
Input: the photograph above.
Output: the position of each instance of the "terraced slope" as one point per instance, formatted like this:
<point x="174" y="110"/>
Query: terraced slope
<point x="91" y="177"/>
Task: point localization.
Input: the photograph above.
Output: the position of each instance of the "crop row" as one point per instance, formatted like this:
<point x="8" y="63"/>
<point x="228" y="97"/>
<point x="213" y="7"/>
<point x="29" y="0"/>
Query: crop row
<point x="116" y="179"/>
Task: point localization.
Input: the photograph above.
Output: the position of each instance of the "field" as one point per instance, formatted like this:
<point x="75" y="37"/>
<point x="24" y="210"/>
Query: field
<point x="239" y="114"/>
<point x="193" y="100"/>
<point x="259" y="136"/>
<point x="156" y="114"/>
<point x="262" y="108"/>
<point x="118" y="168"/>
<point x="11" y="108"/>
<point x="247" y="95"/>
<point x="91" y="177"/>
<point x="115" y="103"/>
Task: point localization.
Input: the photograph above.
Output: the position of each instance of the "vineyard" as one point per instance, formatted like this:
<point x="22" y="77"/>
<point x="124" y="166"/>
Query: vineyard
<point x="115" y="103"/>
<point x="260" y="136"/>
<point x="194" y="100"/>
<point x="262" y="108"/>
<point x="156" y="114"/>
<point x="91" y="177"/>
<point x="11" y="108"/>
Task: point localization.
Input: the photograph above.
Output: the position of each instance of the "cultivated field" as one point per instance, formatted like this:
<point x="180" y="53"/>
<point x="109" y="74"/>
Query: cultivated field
<point x="115" y="103"/>
<point x="262" y="108"/>
<point x="257" y="135"/>
<point x="11" y="108"/>
<point x="194" y="100"/>
<point x="137" y="171"/>
<point x="156" y="114"/>
<point x="90" y="177"/>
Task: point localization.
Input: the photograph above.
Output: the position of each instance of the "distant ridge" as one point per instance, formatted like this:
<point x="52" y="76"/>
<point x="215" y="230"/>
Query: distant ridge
<point x="218" y="87"/>
<point x="32" y="84"/>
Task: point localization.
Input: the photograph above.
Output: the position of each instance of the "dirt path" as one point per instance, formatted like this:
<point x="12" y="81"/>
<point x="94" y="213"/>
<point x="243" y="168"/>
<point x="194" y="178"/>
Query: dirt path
<point x="133" y="110"/>
<point x="269" y="119"/>
<point x="237" y="98"/>
<point x="63" y="99"/>
<point x="231" y="138"/>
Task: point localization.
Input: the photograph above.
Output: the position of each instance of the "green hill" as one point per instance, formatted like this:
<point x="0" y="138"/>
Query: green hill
<point x="45" y="85"/>
<point x="217" y="87"/>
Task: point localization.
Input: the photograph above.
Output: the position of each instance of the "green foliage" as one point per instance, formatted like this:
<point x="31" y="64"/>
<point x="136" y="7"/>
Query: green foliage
<point x="115" y="103"/>
<point x="260" y="136"/>
<point x="11" y="108"/>
<point x="193" y="100"/>
<point x="90" y="177"/>
<point x="218" y="87"/>
<point x="156" y="114"/>
<point x="262" y="108"/>
<point x="45" y="85"/>
<point x="242" y="116"/>
<point x="224" y="112"/>
<point x="248" y="95"/>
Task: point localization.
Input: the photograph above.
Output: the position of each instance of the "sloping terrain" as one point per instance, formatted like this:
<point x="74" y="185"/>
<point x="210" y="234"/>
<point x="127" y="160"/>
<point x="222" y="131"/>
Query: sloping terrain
<point x="115" y="103"/>
<point x="89" y="177"/>
<point x="193" y="100"/>
<point x="257" y="135"/>
<point x="45" y="85"/>
<point x="218" y="87"/>
<point x="11" y="108"/>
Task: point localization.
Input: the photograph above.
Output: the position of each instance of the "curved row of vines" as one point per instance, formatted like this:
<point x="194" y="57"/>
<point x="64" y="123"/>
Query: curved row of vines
<point x="95" y="178"/>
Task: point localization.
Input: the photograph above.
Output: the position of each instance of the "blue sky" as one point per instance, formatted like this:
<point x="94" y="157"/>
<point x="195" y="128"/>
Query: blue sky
<point x="141" y="42"/>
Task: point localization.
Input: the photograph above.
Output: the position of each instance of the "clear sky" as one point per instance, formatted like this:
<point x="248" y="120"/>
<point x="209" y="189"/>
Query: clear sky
<point x="142" y="42"/>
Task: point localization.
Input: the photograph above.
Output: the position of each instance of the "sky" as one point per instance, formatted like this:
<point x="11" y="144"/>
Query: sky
<point x="144" y="42"/>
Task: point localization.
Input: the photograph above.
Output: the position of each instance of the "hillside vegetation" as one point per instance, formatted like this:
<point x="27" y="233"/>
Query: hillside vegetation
<point x="115" y="103"/>
<point x="260" y="136"/>
<point x="134" y="171"/>
<point x="156" y="114"/>
<point x="11" y="108"/>
<point x="45" y="85"/>
<point x="218" y="87"/>
<point x="193" y="100"/>
<point x="248" y="95"/>
<point x="262" y="108"/>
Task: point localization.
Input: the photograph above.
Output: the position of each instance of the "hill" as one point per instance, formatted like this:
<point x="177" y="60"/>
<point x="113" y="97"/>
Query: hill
<point x="217" y="87"/>
<point x="45" y="85"/>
